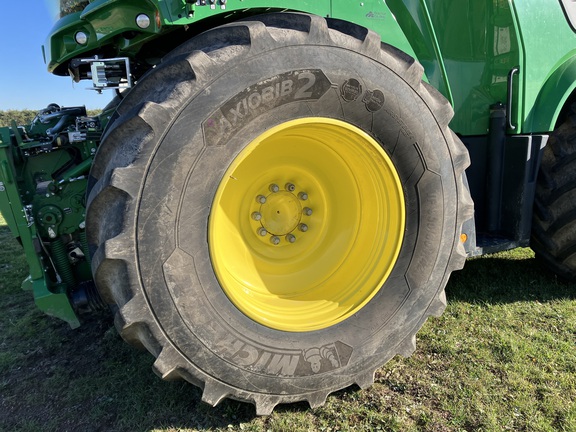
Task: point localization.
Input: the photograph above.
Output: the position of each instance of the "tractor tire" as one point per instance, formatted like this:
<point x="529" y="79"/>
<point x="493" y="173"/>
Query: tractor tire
<point x="554" y="221"/>
<point x="277" y="209"/>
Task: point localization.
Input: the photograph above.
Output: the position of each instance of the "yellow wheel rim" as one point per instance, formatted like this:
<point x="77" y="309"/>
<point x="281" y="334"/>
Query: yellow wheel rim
<point x="306" y="224"/>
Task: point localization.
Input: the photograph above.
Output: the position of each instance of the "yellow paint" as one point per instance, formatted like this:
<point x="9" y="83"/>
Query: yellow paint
<point x="343" y="251"/>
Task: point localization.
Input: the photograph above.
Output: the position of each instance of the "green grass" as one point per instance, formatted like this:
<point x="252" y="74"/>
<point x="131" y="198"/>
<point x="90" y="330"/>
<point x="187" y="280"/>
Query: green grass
<point x="502" y="357"/>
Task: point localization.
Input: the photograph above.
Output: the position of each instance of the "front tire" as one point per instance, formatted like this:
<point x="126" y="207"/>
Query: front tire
<point x="554" y="221"/>
<point x="220" y="266"/>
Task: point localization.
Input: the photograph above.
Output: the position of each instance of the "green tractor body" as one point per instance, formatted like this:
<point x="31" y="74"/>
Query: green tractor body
<point x="440" y="128"/>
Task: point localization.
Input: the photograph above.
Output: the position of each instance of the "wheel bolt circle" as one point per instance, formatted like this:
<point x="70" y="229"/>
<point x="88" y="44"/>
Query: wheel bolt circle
<point x="262" y="199"/>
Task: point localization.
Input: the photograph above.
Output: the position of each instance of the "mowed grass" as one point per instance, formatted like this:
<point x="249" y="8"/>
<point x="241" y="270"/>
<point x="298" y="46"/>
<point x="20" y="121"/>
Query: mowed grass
<point x="502" y="357"/>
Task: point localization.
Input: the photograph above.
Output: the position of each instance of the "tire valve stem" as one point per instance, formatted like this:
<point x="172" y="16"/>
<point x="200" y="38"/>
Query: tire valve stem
<point x="274" y="188"/>
<point x="275" y="240"/>
<point x="290" y="238"/>
<point x="303" y="227"/>
<point x="256" y="216"/>
<point x="307" y="211"/>
<point x="261" y="199"/>
<point x="290" y="187"/>
<point x="303" y="196"/>
<point x="262" y="231"/>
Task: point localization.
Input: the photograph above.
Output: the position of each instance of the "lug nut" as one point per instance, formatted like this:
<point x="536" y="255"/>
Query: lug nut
<point x="274" y="188"/>
<point x="290" y="187"/>
<point x="256" y="216"/>
<point x="275" y="240"/>
<point x="303" y="227"/>
<point x="290" y="238"/>
<point x="307" y="211"/>
<point x="303" y="196"/>
<point x="261" y="199"/>
<point x="262" y="231"/>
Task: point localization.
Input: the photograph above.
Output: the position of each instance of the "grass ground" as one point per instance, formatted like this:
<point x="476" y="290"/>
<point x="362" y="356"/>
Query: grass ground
<point x="502" y="357"/>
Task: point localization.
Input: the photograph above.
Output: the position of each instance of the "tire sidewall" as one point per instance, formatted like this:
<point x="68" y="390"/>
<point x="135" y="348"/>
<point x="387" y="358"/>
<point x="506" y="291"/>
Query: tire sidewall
<point x="186" y="168"/>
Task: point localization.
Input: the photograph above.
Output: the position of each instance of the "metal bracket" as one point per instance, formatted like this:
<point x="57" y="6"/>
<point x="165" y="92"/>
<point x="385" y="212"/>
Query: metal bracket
<point x="111" y="73"/>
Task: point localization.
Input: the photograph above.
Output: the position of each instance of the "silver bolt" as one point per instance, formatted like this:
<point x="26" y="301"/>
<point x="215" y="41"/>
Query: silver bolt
<point x="262" y="231"/>
<point x="290" y="238"/>
<point x="303" y="227"/>
<point x="307" y="211"/>
<point x="290" y="187"/>
<point x="261" y="199"/>
<point x="303" y="196"/>
<point x="274" y="188"/>
<point x="275" y="240"/>
<point x="256" y="216"/>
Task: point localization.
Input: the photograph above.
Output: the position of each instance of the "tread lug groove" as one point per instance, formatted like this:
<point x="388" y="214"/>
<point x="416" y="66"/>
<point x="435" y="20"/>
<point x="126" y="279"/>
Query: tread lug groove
<point x="214" y="392"/>
<point x="317" y="399"/>
<point x="408" y="346"/>
<point x="438" y="306"/>
<point x="127" y="179"/>
<point x="364" y="379"/>
<point x="265" y="404"/>
<point x="371" y="45"/>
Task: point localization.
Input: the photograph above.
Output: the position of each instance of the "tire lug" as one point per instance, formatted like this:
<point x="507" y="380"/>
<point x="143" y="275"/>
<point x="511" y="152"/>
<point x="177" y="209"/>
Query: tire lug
<point x="262" y="231"/>
<point x="290" y="238"/>
<point x="307" y="211"/>
<point x="303" y="196"/>
<point x="261" y="199"/>
<point x="290" y="187"/>
<point x="274" y="188"/>
<point x="303" y="227"/>
<point x="256" y="216"/>
<point x="275" y="240"/>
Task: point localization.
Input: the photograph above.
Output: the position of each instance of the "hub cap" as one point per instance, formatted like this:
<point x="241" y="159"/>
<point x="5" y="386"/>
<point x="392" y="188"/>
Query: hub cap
<point x="306" y="224"/>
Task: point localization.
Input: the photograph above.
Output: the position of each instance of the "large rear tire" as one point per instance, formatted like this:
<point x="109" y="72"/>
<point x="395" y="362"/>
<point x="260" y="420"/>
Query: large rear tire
<point x="554" y="222"/>
<point x="277" y="209"/>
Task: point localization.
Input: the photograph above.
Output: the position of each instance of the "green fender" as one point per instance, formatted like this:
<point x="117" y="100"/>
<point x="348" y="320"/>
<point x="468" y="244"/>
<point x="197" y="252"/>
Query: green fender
<point x="553" y="96"/>
<point x="110" y="25"/>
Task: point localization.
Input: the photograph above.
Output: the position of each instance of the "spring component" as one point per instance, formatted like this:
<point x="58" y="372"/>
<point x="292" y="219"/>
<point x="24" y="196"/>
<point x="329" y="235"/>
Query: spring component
<point x="86" y="298"/>
<point x="60" y="259"/>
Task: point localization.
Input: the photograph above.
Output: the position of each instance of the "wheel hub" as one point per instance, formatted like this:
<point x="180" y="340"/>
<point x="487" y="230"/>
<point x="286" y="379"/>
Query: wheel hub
<point x="280" y="214"/>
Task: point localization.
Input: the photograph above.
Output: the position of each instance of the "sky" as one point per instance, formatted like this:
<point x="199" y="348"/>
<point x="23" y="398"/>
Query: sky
<point x="25" y="83"/>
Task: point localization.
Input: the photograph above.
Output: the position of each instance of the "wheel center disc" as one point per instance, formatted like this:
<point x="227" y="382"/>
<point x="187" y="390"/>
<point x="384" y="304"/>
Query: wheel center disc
<point x="281" y="213"/>
<point x="307" y="224"/>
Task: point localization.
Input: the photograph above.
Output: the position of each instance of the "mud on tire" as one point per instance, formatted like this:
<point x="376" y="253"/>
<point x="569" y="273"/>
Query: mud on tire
<point x="179" y="133"/>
